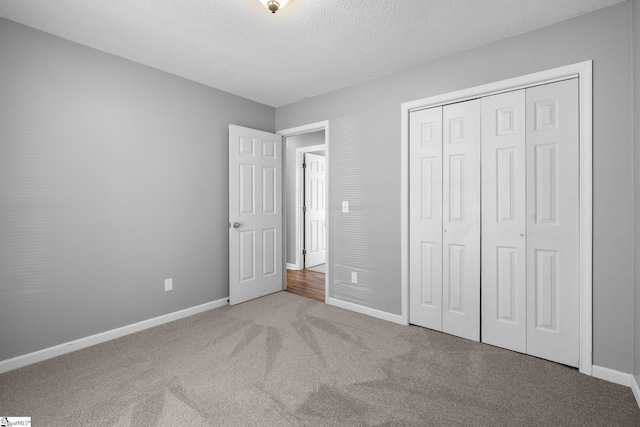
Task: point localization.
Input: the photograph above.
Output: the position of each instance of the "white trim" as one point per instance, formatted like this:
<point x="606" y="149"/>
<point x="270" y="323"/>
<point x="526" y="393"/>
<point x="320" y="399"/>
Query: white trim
<point x="617" y="377"/>
<point x="299" y="130"/>
<point x="404" y="214"/>
<point x="299" y="245"/>
<point x="365" y="310"/>
<point x="635" y="387"/>
<point x="611" y="375"/>
<point x="312" y="127"/>
<point x="68" y="347"/>
<point x="292" y="266"/>
<point x="585" y="277"/>
<point x="521" y="82"/>
<point x="583" y="71"/>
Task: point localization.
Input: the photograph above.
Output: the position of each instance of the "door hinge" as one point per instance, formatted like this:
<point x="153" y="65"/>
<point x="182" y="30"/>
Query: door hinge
<point x="304" y="166"/>
<point x="304" y="209"/>
<point x="304" y="252"/>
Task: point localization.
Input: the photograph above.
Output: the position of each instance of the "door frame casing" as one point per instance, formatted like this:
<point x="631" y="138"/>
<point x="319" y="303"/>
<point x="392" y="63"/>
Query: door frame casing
<point x="299" y="130"/>
<point x="584" y="72"/>
<point x="299" y="202"/>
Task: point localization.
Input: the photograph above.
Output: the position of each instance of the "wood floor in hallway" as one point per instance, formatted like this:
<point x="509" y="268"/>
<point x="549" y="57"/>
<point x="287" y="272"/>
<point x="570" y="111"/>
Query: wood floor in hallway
<point x="306" y="283"/>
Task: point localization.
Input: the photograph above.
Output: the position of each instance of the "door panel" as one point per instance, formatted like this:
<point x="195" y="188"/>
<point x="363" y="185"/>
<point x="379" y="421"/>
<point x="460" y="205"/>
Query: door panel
<point x="461" y="212"/>
<point x="315" y="215"/>
<point x="456" y="258"/>
<point x="269" y="190"/>
<point x="427" y="267"/>
<point x="255" y="201"/>
<point x="247" y="189"/>
<point x="425" y="211"/>
<point x="553" y="222"/>
<point x="504" y="285"/>
<point x="247" y="255"/>
<point x="269" y="248"/>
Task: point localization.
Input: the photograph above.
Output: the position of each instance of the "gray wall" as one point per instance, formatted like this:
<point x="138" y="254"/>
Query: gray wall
<point x="292" y="144"/>
<point x="365" y="162"/>
<point x="113" y="177"/>
<point x="636" y="185"/>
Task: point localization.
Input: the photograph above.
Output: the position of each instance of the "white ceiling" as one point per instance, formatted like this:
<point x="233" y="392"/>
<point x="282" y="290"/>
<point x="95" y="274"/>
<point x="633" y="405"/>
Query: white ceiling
<point x="308" y="48"/>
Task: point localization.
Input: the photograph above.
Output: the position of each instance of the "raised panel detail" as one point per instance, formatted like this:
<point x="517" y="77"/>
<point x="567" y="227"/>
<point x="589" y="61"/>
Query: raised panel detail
<point x="247" y="189"/>
<point x="426" y="272"/>
<point x="427" y="182"/>
<point x="456" y="130"/>
<point x="314" y="236"/>
<point x="457" y="194"/>
<point x="321" y="235"/>
<point x="247" y="255"/>
<point x="506" y="286"/>
<point x="505" y="121"/>
<point x="428" y="134"/>
<point x="546" y="295"/>
<point x="269" y="190"/>
<point x="268" y="252"/>
<point x="546" y="182"/>
<point x="269" y="150"/>
<point x="247" y="146"/>
<point x="314" y="196"/>
<point x="457" y="255"/>
<point x="505" y="199"/>
<point x="546" y="115"/>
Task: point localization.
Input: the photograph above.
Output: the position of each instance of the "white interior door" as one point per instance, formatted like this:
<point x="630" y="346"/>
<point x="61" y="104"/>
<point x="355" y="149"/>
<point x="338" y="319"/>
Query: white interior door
<point x="315" y="223"/>
<point x="553" y="222"/>
<point x="255" y="214"/>
<point x="461" y="220"/>
<point x="504" y="261"/>
<point x="425" y="211"/>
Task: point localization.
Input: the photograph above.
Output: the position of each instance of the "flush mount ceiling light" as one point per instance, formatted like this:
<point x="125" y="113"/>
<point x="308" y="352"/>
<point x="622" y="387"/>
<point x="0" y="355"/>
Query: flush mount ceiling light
<point x="274" y="5"/>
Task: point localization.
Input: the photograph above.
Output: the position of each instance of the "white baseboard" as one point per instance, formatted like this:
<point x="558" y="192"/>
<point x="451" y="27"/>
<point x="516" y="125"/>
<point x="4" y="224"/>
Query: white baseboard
<point x="612" y="375"/>
<point x="68" y="347"/>
<point x="635" y="387"/>
<point x="622" y="378"/>
<point x="395" y="318"/>
<point x="291" y="266"/>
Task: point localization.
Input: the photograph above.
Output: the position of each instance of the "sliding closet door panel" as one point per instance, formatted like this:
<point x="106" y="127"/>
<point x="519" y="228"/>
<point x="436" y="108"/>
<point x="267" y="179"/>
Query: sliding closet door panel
<point x="461" y="219"/>
<point x="552" y="222"/>
<point x="504" y="286"/>
<point x="425" y="222"/>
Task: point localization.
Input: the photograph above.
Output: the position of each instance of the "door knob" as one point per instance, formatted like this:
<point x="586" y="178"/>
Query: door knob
<point x="236" y="225"/>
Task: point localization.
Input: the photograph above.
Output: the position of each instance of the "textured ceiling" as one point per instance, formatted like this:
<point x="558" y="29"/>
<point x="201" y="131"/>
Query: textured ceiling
<point x="308" y="48"/>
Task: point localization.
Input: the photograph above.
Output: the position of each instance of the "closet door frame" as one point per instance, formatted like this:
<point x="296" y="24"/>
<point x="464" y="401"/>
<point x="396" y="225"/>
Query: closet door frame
<point x="584" y="72"/>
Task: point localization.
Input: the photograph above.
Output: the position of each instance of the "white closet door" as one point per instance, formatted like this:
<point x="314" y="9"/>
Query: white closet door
<point x="552" y="222"/>
<point x="314" y="216"/>
<point x="461" y="219"/>
<point x="504" y="285"/>
<point x="425" y="211"/>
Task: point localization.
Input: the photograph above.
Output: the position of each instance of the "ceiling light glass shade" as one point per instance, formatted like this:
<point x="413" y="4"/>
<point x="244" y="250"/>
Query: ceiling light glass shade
<point x="274" y="5"/>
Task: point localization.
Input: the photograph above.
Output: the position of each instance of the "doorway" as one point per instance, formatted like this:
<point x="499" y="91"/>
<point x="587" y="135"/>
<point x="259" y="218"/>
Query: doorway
<point x="306" y="252"/>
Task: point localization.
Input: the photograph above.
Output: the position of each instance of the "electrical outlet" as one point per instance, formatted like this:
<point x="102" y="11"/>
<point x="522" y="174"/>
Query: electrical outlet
<point x="354" y="277"/>
<point x="168" y="285"/>
<point x="345" y="207"/>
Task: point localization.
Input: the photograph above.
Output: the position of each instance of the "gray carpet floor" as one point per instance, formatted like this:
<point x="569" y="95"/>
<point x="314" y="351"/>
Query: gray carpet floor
<point x="283" y="360"/>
